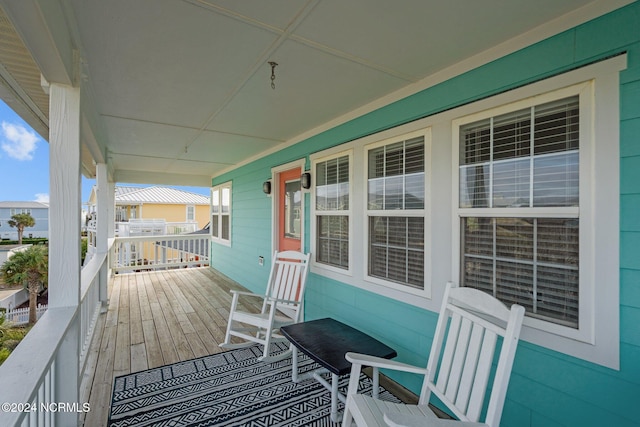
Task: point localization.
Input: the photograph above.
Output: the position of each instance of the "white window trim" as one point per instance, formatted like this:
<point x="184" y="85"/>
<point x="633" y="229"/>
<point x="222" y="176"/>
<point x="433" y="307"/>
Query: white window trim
<point x="193" y="207"/>
<point x="403" y="213"/>
<point x="319" y="267"/>
<point x="357" y="274"/>
<point x="597" y="339"/>
<point x="219" y="239"/>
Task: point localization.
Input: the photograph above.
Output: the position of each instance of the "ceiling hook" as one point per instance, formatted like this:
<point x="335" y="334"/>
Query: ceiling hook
<point x="273" y="73"/>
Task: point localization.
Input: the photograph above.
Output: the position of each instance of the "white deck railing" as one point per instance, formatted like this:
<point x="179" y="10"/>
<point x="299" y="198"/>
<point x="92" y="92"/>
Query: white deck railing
<point x="132" y="254"/>
<point x="33" y="367"/>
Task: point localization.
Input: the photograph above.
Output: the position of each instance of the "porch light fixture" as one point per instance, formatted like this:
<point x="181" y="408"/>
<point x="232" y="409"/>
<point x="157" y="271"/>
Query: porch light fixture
<point x="305" y="180"/>
<point x="266" y="187"/>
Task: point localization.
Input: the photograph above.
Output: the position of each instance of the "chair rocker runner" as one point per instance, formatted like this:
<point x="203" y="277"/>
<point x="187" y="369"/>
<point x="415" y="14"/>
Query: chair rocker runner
<point x="282" y="304"/>
<point x="458" y="369"/>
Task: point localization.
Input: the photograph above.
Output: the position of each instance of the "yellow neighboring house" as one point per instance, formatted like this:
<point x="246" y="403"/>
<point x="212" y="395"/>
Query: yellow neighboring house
<point x="152" y="203"/>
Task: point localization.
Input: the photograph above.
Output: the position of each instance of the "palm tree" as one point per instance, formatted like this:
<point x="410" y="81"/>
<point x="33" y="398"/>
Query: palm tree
<point x="20" y="221"/>
<point x="28" y="268"/>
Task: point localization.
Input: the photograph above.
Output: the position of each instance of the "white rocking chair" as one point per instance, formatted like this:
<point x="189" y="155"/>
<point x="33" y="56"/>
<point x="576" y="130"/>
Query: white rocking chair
<point x="458" y="374"/>
<point x="282" y="304"/>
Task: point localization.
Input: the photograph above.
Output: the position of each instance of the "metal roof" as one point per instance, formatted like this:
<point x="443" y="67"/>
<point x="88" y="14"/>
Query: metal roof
<point x="23" y="205"/>
<point x="162" y="195"/>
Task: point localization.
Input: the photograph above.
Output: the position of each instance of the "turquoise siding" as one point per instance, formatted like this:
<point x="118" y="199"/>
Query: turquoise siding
<point x="547" y="388"/>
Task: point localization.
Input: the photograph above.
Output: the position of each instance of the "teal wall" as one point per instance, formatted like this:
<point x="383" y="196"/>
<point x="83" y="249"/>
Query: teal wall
<point x="547" y="388"/>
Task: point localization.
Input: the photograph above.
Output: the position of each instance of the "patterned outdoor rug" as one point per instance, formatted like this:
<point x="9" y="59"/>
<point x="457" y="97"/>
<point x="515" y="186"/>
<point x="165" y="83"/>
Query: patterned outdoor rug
<point x="225" y="389"/>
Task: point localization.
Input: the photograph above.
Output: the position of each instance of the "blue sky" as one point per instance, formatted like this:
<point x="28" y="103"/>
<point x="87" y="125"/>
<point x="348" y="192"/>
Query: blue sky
<point x="24" y="162"/>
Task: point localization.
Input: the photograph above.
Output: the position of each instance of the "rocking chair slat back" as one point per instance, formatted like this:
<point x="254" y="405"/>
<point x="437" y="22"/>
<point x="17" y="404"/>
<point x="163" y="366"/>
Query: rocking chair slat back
<point x="287" y="283"/>
<point x="461" y="374"/>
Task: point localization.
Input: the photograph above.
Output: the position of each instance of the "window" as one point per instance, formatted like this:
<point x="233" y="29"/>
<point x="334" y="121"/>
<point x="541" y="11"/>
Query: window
<point x="332" y="208"/>
<point x="536" y="199"/>
<point x="526" y="160"/>
<point x="221" y="213"/>
<point x="395" y="212"/>
<point x="369" y="221"/>
<point x="191" y="213"/>
<point x="20" y="211"/>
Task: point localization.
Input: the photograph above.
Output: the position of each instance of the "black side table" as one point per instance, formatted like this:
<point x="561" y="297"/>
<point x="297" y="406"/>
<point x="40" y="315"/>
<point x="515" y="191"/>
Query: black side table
<point x="326" y="341"/>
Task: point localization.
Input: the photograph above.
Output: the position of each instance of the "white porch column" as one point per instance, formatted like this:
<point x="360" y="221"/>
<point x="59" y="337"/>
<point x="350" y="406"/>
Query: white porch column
<point x="64" y="235"/>
<point x="104" y="223"/>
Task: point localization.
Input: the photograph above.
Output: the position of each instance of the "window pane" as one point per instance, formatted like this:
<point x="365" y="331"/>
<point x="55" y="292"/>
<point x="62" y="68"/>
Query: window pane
<point x="214" y="226"/>
<point x="396" y="176"/>
<point x="512" y="135"/>
<point x="475" y="142"/>
<point x="557" y="126"/>
<point x="333" y="240"/>
<point x="414" y="191"/>
<point x="514" y="238"/>
<point x="478" y="236"/>
<point x="376" y="163"/>
<point x="396" y="249"/>
<point x="556" y="180"/>
<point x="558" y="241"/>
<point x="393" y="193"/>
<point x="511" y="183"/>
<point x="226" y="199"/>
<point x="215" y="201"/>
<point x="529" y="261"/>
<point x="394" y="159"/>
<point x="292" y="207"/>
<point x="501" y="147"/>
<point x="226" y="229"/>
<point x="375" y="189"/>
<point x="514" y="284"/>
<point x="558" y="295"/>
<point x="474" y="186"/>
<point x="332" y="184"/>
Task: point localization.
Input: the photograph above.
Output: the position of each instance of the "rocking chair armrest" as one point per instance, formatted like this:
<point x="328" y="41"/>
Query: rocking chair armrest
<point x="248" y="294"/>
<point x="414" y="420"/>
<point x="281" y="301"/>
<point x="379" y="362"/>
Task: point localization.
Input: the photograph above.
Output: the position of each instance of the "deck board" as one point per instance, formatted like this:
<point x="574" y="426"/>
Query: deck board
<point x="154" y="319"/>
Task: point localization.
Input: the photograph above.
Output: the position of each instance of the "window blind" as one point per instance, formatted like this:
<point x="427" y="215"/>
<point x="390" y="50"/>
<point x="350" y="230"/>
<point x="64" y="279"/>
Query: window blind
<point x="332" y="184"/>
<point x="529" y="261"/>
<point x="332" y="199"/>
<point x="523" y="159"/>
<point x="396" y="249"/>
<point x="396" y="176"/>
<point x="396" y="180"/>
<point x="527" y="158"/>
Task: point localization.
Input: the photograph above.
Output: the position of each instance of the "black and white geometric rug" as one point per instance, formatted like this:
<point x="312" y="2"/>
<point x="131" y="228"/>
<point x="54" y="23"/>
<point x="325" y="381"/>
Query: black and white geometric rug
<point x="226" y="389"/>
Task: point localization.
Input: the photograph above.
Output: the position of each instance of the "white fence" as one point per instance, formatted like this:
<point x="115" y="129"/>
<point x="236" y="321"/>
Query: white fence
<point x="20" y="316"/>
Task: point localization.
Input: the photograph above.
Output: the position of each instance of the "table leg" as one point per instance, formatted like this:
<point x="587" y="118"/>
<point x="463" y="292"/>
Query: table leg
<point x="376" y="383"/>
<point x="294" y="365"/>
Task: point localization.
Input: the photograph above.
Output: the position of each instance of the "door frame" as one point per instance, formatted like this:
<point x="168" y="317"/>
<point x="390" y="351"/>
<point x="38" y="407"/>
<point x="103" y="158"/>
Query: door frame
<point x="275" y="191"/>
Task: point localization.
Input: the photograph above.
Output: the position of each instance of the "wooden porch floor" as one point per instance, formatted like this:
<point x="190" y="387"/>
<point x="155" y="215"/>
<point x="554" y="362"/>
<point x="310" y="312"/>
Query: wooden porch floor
<point x="154" y="319"/>
<point x="159" y="318"/>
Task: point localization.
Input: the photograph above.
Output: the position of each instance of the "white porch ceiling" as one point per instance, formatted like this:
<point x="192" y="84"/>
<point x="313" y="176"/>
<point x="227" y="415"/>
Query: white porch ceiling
<point x="177" y="91"/>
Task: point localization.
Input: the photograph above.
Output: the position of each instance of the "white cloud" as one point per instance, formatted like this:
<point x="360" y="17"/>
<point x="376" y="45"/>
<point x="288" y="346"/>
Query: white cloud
<point x="18" y="142"/>
<point x="42" y="198"/>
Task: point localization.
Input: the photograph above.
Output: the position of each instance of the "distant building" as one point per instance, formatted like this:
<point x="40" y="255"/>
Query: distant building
<point x="39" y="212"/>
<point x="152" y="203"/>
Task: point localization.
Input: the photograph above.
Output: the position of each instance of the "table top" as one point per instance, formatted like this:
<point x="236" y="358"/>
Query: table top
<point x="327" y="341"/>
